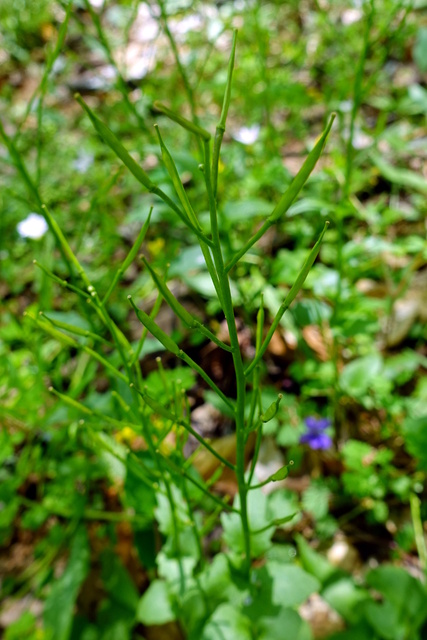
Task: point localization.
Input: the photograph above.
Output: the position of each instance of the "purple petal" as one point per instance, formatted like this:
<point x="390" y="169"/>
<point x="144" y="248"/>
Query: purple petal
<point x="317" y="424"/>
<point x="322" y="441"/>
<point x="311" y="423"/>
<point x="306" y="438"/>
<point x="323" y="423"/>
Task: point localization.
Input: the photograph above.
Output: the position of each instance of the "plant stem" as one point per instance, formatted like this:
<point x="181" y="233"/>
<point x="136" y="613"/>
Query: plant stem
<point x="238" y="365"/>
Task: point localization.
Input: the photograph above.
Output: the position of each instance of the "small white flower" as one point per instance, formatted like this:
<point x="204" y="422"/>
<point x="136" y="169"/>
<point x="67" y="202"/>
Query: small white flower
<point x="247" y="135"/>
<point x="349" y="16"/>
<point x="83" y="162"/>
<point x="34" y="226"/>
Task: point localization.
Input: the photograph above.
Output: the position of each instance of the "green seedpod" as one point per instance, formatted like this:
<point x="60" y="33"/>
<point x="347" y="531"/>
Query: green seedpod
<point x="187" y="124"/>
<point x="289" y="196"/>
<point x="62" y="242"/>
<point x="155" y="330"/>
<point x="78" y="331"/>
<point x="180" y="311"/>
<point x="272" y="410"/>
<point x="303" y="174"/>
<point x="114" y="143"/>
<point x="260" y="323"/>
<point x="176" y="180"/>
<point x="71" y="402"/>
<point x="289" y="299"/>
<point x="280" y="474"/>
<point x="130" y="257"/>
<point x="54" y="333"/>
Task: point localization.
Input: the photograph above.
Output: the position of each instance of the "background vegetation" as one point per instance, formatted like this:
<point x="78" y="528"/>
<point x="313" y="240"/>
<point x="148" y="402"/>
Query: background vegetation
<point x="89" y="548"/>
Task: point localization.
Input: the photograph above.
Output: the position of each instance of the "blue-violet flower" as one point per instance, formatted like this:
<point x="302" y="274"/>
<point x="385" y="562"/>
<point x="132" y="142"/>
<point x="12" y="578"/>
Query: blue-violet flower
<point x="315" y="436"/>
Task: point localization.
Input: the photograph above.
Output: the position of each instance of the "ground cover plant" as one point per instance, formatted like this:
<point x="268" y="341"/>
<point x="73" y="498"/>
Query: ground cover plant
<point x="212" y="332"/>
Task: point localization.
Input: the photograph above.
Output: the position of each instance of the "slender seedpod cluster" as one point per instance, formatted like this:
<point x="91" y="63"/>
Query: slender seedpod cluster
<point x="141" y="408"/>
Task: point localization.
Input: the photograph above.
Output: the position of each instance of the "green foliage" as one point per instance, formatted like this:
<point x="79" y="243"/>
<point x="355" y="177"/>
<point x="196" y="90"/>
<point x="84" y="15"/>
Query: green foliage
<point x="59" y="606"/>
<point x="244" y="302"/>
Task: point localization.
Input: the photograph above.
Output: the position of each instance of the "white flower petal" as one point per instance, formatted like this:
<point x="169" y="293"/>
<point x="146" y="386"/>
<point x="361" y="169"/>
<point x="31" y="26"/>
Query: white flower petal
<point x="247" y="135"/>
<point x="34" y="226"/>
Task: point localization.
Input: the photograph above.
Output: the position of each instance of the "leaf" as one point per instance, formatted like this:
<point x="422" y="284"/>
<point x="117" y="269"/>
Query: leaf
<point x="344" y="596"/>
<point x="407" y="595"/>
<point x="59" y="607"/>
<point x="227" y="623"/>
<point x="291" y="584"/>
<point x="357" y="376"/>
<point x="313" y="562"/>
<point x="315" y="500"/>
<point x="287" y="619"/>
<point x="260" y="525"/>
<point x="243" y="210"/>
<point x="282" y="504"/>
<point x="117" y="582"/>
<point x="155" y="606"/>
<point x="420" y="49"/>
<point x="415" y="433"/>
<point x="397" y="175"/>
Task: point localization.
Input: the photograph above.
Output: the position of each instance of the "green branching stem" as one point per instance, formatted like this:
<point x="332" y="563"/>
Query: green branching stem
<point x="237" y="360"/>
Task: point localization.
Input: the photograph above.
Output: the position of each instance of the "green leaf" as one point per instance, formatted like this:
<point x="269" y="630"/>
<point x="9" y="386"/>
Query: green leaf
<point x="315" y="500"/>
<point x="155" y="606"/>
<point x="407" y="595"/>
<point x="313" y="562"/>
<point x="59" y="607"/>
<point x="344" y="596"/>
<point x="291" y="584"/>
<point x="117" y="582"/>
<point x="398" y="175"/>
<point x="420" y="49"/>
<point x="227" y="623"/>
<point x="241" y="211"/>
<point x="357" y="376"/>
<point x="415" y="434"/>
<point x="260" y="524"/>
<point x="287" y="622"/>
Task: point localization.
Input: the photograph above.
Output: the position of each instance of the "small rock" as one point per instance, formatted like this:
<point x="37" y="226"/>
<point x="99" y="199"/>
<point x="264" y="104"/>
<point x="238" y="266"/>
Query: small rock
<point x="322" y="619"/>
<point x="343" y="555"/>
